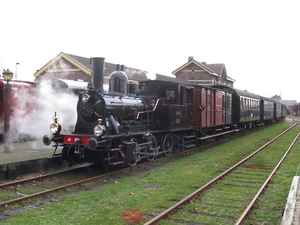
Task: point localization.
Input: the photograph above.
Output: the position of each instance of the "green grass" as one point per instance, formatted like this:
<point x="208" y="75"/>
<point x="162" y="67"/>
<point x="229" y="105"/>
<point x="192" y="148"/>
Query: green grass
<point x="152" y="191"/>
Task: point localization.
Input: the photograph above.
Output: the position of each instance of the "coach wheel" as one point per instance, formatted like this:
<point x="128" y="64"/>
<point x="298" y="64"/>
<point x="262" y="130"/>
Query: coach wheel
<point x="168" y="144"/>
<point x="149" y="149"/>
<point x="135" y="156"/>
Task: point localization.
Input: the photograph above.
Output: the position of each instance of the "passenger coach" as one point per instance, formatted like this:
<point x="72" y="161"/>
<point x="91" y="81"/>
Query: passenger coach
<point x="267" y="108"/>
<point x="245" y="106"/>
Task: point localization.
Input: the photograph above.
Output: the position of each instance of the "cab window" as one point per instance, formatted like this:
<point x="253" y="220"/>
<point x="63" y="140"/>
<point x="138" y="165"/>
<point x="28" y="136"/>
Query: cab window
<point x="170" y="93"/>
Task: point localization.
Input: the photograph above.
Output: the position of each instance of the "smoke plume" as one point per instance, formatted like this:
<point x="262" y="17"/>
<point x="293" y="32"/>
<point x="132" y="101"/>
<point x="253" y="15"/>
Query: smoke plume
<point x="34" y="112"/>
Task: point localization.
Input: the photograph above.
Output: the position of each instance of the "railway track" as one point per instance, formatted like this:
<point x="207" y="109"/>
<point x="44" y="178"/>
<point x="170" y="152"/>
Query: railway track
<point x="229" y="197"/>
<point x="30" y="184"/>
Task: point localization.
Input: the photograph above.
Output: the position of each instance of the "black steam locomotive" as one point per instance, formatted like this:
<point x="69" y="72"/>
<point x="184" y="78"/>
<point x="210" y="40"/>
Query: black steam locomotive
<point x="155" y="117"/>
<point x="120" y="126"/>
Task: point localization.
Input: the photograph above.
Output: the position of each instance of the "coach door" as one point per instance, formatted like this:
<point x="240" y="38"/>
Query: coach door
<point x="227" y="103"/>
<point x="187" y="99"/>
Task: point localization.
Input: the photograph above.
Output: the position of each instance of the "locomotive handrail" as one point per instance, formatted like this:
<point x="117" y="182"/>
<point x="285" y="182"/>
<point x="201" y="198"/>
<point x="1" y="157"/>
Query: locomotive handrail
<point x="152" y="110"/>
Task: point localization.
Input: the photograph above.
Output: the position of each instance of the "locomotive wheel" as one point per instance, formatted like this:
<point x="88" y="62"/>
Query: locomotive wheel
<point x="168" y="144"/>
<point x="153" y="145"/>
<point x="135" y="160"/>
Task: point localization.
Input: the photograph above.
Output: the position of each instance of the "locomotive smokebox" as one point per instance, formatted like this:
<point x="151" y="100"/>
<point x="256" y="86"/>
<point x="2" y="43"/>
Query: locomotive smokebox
<point x="98" y="68"/>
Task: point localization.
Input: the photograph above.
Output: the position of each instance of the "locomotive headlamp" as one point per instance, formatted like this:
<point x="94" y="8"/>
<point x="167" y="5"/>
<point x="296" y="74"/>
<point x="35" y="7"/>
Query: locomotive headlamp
<point x="55" y="127"/>
<point x="99" y="130"/>
<point x="85" y="97"/>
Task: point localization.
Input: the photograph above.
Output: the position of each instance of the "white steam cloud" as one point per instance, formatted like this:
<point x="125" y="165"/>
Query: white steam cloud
<point x="151" y="75"/>
<point x="34" y="113"/>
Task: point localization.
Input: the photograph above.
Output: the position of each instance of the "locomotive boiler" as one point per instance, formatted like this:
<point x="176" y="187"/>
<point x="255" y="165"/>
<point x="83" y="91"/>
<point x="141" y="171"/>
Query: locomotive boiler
<point x="122" y="127"/>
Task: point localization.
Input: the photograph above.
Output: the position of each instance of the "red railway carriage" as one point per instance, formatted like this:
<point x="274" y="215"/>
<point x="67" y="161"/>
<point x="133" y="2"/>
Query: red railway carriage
<point x="212" y="110"/>
<point x="21" y="102"/>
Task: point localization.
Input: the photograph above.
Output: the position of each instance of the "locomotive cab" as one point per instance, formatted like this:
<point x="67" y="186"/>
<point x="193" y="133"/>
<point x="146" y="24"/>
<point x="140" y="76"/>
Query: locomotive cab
<point x="176" y="110"/>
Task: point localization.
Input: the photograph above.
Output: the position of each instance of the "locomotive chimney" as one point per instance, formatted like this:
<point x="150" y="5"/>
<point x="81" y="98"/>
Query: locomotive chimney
<point x="97" y="77"/>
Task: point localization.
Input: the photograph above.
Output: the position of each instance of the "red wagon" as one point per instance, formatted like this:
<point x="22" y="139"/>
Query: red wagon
<point x="22" y="104"/>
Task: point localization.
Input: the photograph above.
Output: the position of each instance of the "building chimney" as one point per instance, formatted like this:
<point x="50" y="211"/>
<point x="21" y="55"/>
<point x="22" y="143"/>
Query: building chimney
<point x="191" y="58"/>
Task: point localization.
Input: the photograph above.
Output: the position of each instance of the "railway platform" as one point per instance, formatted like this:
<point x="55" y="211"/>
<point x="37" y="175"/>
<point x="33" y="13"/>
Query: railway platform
<point x="28" y="157"/>
<point x="291" y="215"/>
<point x="26" y="150"/>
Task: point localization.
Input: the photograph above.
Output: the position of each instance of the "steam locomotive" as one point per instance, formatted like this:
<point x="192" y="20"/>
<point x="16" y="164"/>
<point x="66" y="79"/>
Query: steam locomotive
<point x="132" y="121"/>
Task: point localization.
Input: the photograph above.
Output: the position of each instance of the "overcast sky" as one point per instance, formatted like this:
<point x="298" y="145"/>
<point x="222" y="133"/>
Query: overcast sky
<point x="257" y="40"/>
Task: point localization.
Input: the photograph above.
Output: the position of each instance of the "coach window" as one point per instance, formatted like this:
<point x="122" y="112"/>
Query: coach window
<point x="170" y="93"/>
<point x="242" y="103"/>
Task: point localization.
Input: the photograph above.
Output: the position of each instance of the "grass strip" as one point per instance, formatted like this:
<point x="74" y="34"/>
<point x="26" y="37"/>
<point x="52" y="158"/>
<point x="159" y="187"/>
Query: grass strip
<point x="129" y="198"/>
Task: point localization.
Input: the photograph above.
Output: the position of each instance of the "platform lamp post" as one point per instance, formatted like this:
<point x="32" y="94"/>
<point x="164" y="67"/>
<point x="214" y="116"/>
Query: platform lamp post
<point x="7" y="76"/>
<point x="16" y="70"/>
